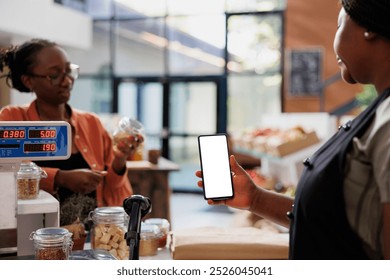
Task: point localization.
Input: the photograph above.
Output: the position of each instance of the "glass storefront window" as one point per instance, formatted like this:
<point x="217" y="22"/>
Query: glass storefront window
<point x="194" y="7"/>
<point x="127" y="100"/>
<point x="251" y="97"/>
<point x="254" y="43"/>
<point x="140" y="47"/>
<point x="254" y="5"/>
<point x="196" y="45"/>
<point x="143" y="102"/>
<point x="92" y="94"/>
<point x="95" y="60"/>
<point x="137" y="8"/>
<point x="99" y="8"/>
<point x="193" y="108"/>
<point x="184" y="151"/>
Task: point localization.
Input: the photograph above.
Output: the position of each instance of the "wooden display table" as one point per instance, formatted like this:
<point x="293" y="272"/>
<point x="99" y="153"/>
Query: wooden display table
<point x="151" y="180"/>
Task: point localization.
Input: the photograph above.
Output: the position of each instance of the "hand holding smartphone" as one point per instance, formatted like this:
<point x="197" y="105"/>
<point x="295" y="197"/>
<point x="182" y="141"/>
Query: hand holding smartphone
<point x="215" y="166"/>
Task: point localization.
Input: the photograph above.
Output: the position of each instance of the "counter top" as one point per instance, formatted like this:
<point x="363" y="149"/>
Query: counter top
<point x="144" y="165"/>
<point x="44" y="203"/>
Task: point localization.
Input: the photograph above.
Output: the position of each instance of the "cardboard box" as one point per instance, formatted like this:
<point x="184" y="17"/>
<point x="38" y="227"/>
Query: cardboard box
<point x="287" y="148"/>
<point x="234" y="243"/>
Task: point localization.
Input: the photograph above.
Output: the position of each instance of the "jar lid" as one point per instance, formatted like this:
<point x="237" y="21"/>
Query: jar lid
<point x="149" y="231"/>
<point x="30" y="170"/>
<point x="109" y="215"/>
<point x="131" y="126"/>
<point x="51" y="235"/>
<point x="160" y="222"/>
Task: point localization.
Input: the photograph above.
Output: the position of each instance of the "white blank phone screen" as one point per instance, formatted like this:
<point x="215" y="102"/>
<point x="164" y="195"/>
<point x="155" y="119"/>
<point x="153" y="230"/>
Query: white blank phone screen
<point x="214" y="156"/>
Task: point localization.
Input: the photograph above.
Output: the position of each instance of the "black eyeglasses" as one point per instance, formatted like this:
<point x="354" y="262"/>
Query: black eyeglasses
<point x="56" y="79"/>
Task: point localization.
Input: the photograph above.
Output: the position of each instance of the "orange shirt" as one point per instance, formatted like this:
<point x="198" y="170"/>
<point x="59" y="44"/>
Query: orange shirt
<point x="94" y="143"/>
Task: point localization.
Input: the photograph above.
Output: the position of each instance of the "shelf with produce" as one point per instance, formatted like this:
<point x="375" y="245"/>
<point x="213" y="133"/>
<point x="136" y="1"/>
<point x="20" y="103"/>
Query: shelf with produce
<point x="286" y="169"/>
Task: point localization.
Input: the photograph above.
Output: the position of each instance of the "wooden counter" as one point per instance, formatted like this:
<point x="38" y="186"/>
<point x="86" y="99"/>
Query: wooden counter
<point x="152" y="180"/>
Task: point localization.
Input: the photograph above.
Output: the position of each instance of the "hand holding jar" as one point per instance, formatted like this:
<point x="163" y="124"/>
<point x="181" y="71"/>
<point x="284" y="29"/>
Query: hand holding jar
<point x="129" y="138"/>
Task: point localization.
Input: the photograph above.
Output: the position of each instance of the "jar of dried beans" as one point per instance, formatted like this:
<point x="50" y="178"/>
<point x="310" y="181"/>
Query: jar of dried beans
<point x="108" y="231"/>
<point x="52" y="243"/>
<point x="27" y="180"/>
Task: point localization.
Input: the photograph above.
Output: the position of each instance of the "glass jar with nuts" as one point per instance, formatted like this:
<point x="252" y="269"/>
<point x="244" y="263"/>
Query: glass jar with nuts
<point x="108" y="231"/>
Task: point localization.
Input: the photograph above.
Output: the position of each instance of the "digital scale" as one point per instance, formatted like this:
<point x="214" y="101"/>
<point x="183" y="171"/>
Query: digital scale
<point x="34" y="141"/>
<point x="28" y="141"/>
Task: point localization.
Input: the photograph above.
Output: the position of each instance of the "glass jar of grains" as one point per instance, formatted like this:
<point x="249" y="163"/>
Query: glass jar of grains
<point x="27" y="180"/>
<point x="149" y="238"/>
<point x="52" y="243"/>
<point x="108" y="231"/>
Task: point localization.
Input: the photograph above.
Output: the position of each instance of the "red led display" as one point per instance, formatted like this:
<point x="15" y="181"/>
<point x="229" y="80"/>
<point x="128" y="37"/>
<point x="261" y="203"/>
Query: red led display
<point x="45" y="147"/>
<point x="42" y="133"/>
<point x="12" y="134"/>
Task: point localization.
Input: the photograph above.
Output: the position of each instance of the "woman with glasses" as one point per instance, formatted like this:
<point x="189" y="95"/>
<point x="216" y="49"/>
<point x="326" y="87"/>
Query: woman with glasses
<point x="95" y="174"/>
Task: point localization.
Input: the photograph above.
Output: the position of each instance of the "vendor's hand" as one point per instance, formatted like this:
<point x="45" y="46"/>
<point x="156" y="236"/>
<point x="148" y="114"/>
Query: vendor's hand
<point x="125" y="147"/>
<point x="80" y="180"/>
<point x="243" y="185"/>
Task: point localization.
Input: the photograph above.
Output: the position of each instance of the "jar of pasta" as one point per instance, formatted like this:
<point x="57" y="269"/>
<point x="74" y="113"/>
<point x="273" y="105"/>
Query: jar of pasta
<point x="108" y="231"/>
<point x="27" y="180"/>
<point x="52" y="243"/>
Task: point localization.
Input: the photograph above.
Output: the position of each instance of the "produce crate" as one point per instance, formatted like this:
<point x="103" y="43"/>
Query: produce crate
<point x="290" y="147"/>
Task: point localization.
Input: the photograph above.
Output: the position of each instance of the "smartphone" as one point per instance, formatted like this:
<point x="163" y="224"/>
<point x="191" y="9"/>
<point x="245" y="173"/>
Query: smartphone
<point x="214" y="163"/>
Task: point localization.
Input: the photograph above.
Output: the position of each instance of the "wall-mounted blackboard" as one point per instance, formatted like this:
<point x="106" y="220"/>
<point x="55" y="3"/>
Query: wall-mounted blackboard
<point x="304" y="72"/>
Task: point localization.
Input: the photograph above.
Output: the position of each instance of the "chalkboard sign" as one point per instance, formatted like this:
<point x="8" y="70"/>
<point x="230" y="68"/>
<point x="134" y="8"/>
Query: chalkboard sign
<point x="305" y="71"/>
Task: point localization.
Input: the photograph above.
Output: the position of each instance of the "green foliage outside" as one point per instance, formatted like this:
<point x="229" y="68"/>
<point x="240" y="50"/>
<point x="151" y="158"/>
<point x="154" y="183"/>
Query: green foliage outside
<point x="365" y="97"/>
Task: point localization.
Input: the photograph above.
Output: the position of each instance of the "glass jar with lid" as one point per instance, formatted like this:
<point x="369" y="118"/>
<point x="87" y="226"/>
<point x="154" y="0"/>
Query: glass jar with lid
<point x="164" y="227"/>
<point x="52" y="243"/>
<point x="27" y="180"/>
<point x="108" y="231"/>
<point x="149" y="239"/>
<point x="131" y="132"/>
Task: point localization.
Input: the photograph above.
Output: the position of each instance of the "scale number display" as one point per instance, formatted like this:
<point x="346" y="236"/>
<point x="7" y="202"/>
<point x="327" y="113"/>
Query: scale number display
<point x="42" y="133"/>
<point x="45" y="147"/>
<point x="35" y="140"/>
<point x="12" y="134"/>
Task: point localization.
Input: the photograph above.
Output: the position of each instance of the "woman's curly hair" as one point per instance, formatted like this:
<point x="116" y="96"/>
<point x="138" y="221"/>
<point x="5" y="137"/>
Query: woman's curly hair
<point x="20" y="60"/>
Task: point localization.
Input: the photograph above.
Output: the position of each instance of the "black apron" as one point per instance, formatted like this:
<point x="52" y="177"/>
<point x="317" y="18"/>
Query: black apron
<point x="319" y="227"/>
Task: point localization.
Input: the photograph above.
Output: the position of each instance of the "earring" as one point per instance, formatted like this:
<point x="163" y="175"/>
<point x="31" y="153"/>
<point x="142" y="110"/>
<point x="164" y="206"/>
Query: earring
<point x="366" y="34"/>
